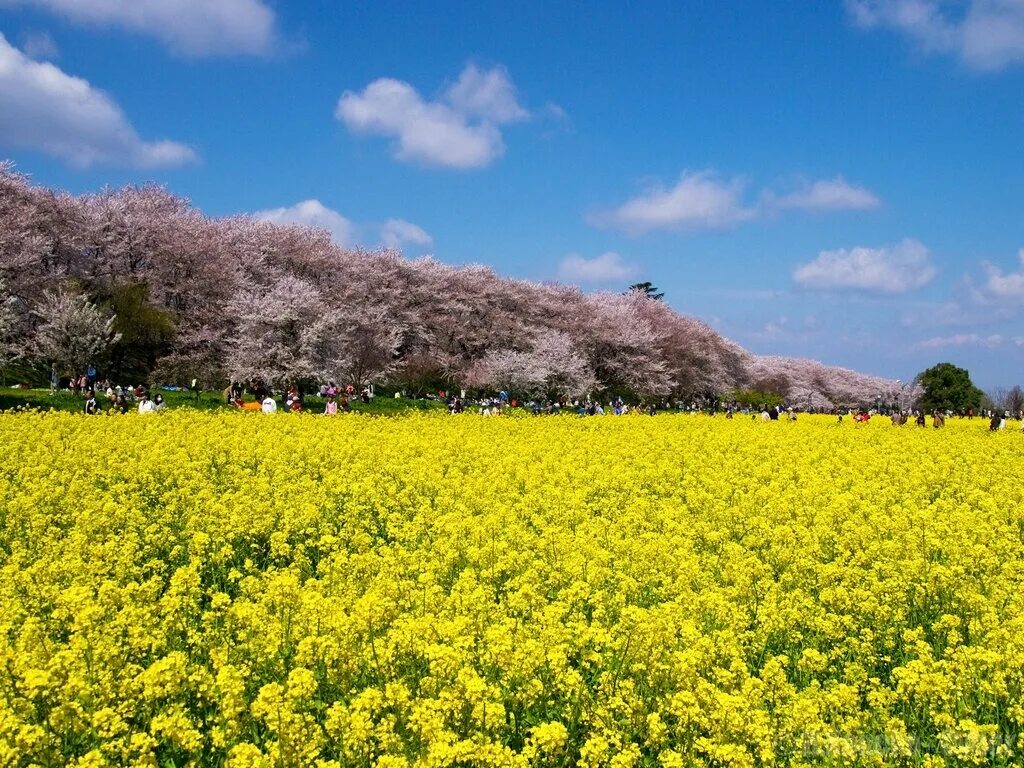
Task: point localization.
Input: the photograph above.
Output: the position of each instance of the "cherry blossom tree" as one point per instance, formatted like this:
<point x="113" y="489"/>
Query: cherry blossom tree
<point x="72" y="332"/>
<point x="40" y="237"/>
<point x="621" y="344"/>
<point x="9" y="348"/>
<point x="357" y="346"/>
<point x="420" y="372"/>
<point x="699" y="360"/>
<point x="270" y="322"/>
<point x="564" y="369"/>
<point x="552" y="368"/>
<point x="808" y="382"/>
<point x="247" y="298"/>
<point x="196" y="286"/>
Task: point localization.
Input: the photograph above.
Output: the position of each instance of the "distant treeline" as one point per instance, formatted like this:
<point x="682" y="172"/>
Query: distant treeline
<point x="143" y="286"/>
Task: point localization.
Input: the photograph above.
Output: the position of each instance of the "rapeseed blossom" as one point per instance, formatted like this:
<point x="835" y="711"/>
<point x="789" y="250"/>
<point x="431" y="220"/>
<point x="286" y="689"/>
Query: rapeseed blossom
<point x="225" y="589"/>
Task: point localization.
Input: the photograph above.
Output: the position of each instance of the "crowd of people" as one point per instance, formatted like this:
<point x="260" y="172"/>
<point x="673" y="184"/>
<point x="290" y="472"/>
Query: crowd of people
<point x="101" y="396"/>
<point x="118" y="399"/>
<point x="104" y="396"/>
<point x="495" y="405"/>
<point x="338" y="399"/>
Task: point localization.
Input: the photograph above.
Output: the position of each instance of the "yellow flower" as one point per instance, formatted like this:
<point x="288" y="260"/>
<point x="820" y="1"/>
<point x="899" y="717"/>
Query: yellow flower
<point x="429" y="591"/>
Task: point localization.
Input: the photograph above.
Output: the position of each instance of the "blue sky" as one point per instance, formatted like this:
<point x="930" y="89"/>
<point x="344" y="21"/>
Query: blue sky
<point x="837" y="180"/>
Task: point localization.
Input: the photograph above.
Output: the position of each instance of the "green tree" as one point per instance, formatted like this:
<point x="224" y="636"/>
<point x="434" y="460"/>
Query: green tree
<point x="144" y="331"/>
<point x="753" y="398"/>
<point x="947" y="387"/>
<point x="647" y="288"/>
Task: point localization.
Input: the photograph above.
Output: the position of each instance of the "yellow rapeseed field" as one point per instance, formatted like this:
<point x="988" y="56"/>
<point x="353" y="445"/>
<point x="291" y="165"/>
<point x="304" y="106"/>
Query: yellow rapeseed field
<point x="295" y="590"/>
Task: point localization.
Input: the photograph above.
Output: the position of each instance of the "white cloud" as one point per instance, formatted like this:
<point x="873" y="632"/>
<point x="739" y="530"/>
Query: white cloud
<point x="191" y="28"/>
<point x="312" y="213"/>
<point x="698" y="201"/>
<point x="556" y="114"/>
<point x="1001" y="286"/>
<point x="889" y="270"/>
<point x="458" y="130"/>
<point x="46" y="110"/>
<point x="995" y="297"/>
<point x="773" y="330"/>
<point x="606" y="268"/>
<point x="397" y="232"/>
<point x="962" y="340"/>
<point x="800" y="331"/>
<point x="953" y="312"/>
<point x="39" y="46"/>
<point x="921" y="19"/>
<point x="987" y="35"/>
<point x="827" y="195"/>
<point x="703" y="200"/>
<point x="393" y="233"/>
<point x="487" y="95"/>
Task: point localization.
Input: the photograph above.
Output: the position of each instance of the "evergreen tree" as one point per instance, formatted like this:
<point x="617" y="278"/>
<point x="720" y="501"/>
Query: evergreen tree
<point x="647" y="289"/>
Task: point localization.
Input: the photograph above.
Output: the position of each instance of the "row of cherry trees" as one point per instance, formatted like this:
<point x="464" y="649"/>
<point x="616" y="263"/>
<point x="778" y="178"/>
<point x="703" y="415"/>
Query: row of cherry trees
<point x="175" y="295"/>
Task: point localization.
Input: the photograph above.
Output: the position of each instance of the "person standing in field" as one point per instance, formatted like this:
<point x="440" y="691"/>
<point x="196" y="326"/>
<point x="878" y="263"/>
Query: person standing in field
<point x="91" y="406"/>
<point x="332" y="407"/>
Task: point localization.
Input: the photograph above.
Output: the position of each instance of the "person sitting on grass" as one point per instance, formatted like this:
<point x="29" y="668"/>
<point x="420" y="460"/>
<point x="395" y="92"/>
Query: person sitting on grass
<point x="293" y="400"/>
